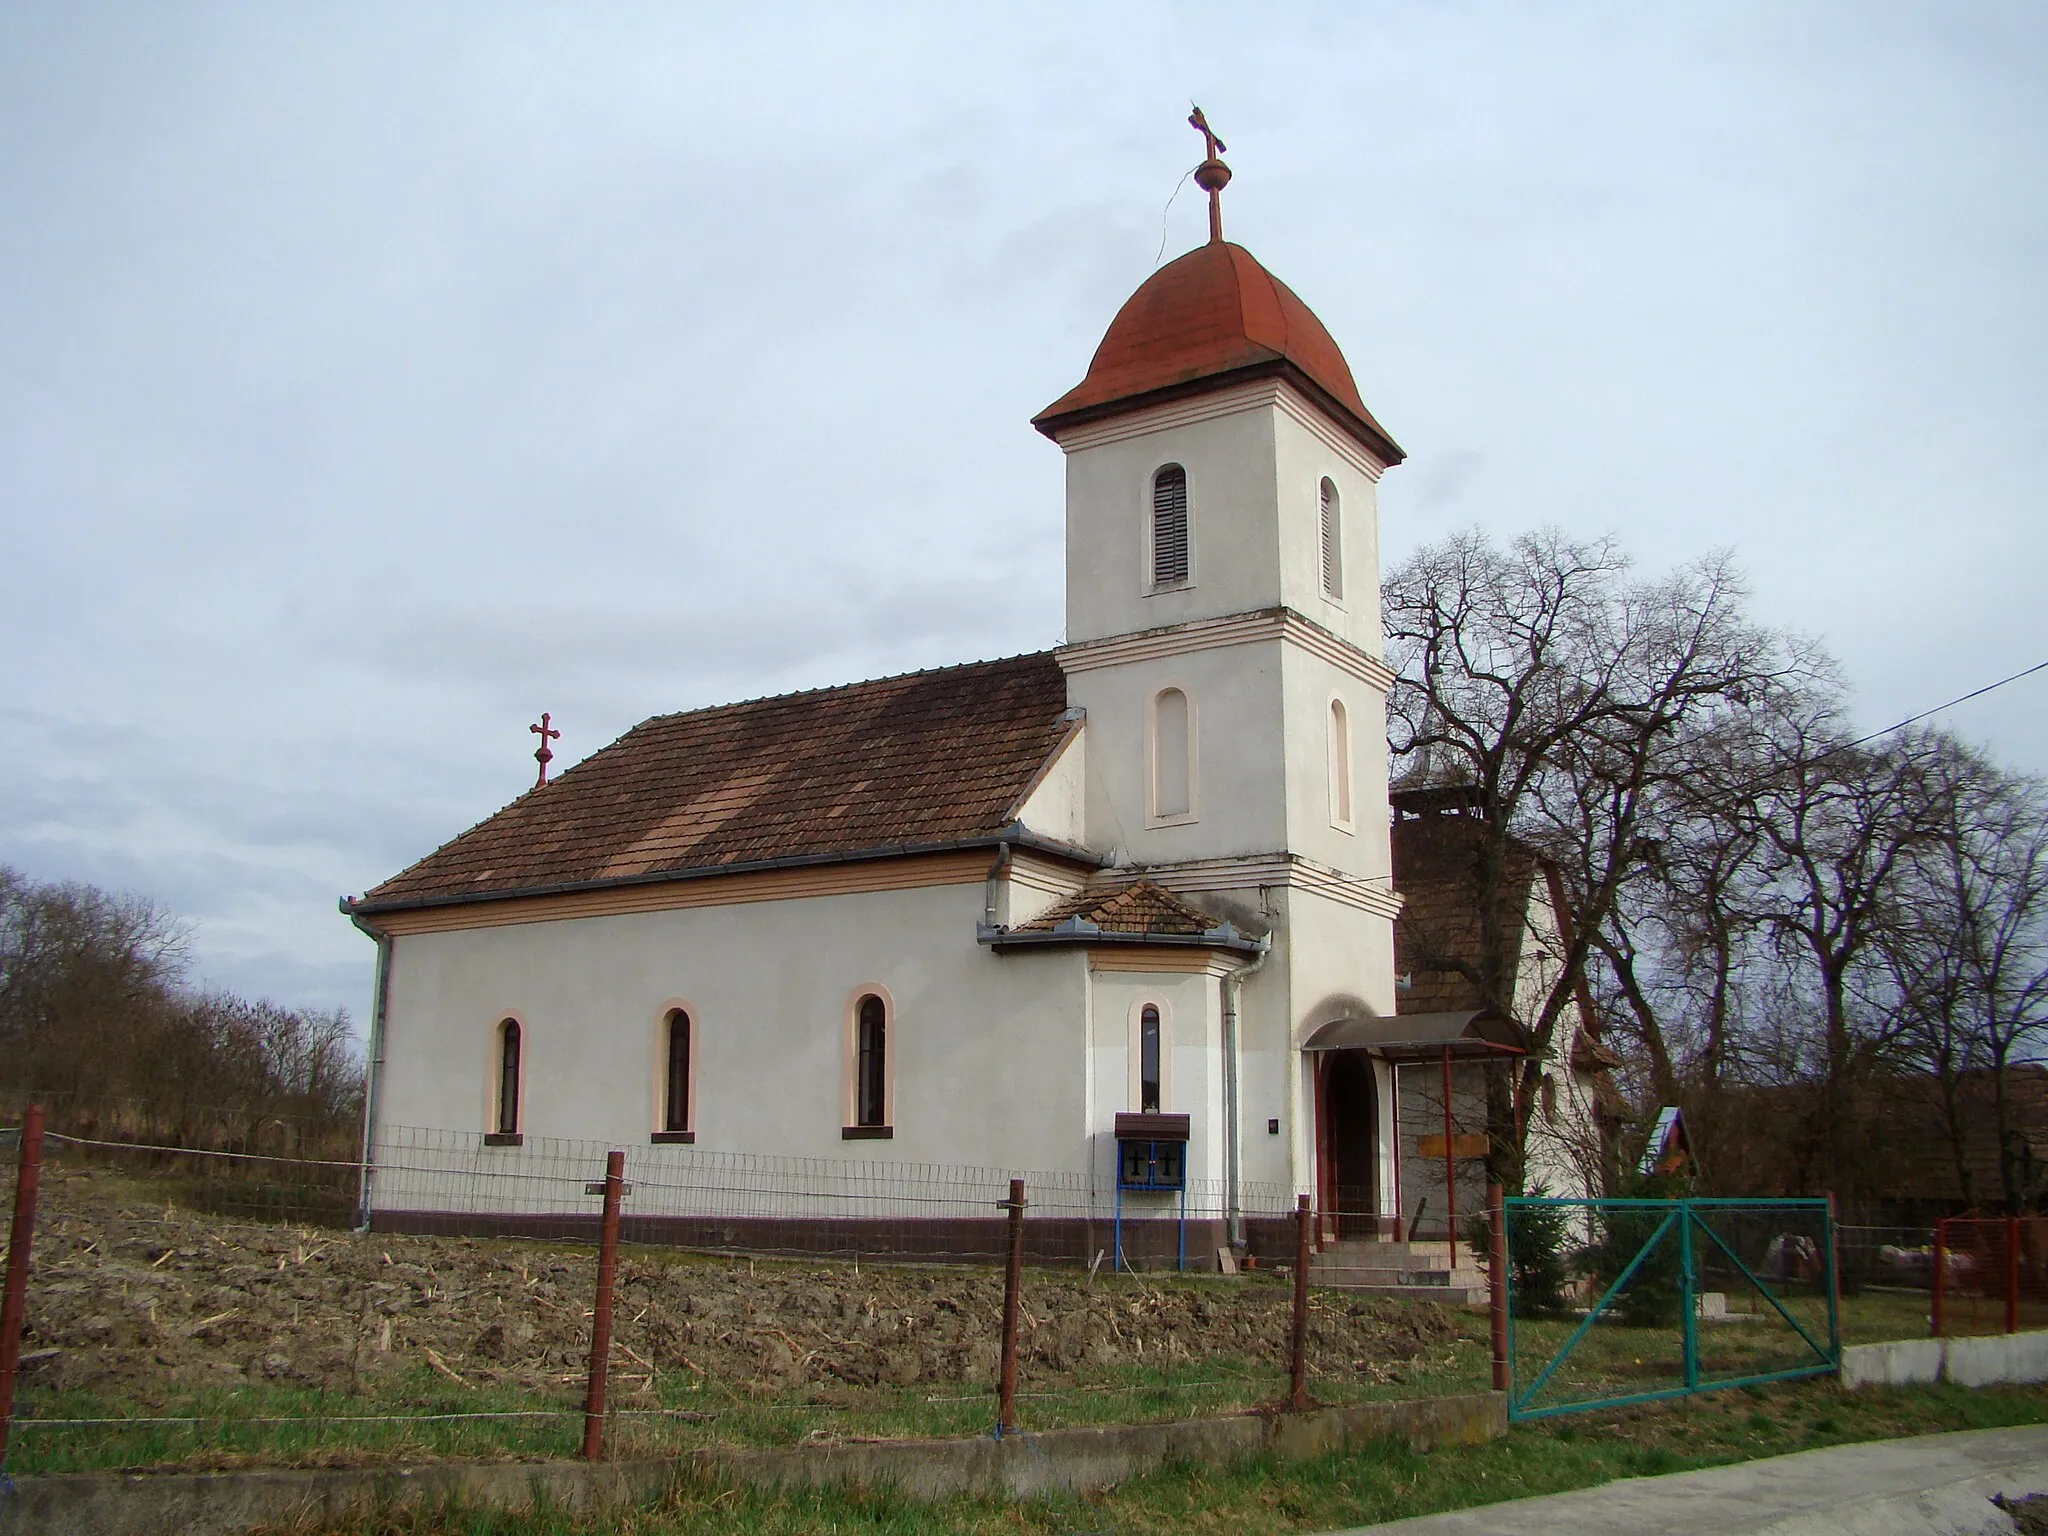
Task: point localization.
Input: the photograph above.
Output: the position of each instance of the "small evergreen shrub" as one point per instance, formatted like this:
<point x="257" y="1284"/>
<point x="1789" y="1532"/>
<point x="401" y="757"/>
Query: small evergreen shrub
<point x="1536" y="1264"/>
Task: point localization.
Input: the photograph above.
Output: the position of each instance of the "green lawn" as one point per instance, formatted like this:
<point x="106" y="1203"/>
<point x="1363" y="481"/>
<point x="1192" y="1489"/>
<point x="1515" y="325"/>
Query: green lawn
<point x="266" y="1424"/>
<point x="1378" y="1483"/>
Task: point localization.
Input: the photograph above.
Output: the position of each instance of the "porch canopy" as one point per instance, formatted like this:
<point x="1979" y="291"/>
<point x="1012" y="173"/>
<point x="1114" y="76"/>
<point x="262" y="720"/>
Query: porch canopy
<point x="1422" y="1036"/>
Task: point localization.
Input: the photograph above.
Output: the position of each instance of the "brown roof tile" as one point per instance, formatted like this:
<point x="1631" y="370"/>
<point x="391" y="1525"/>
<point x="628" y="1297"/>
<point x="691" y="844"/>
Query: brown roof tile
<point x="1140" y="907"/>
<point x="923" y="759"/>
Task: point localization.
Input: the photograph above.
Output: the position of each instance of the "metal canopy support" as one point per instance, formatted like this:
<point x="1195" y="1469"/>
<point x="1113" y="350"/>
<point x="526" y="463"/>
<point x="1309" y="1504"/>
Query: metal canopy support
<point x="1450" y="1163"/>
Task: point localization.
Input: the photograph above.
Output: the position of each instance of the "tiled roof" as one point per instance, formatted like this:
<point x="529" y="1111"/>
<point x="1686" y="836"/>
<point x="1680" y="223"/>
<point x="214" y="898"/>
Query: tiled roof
<point x="1213" y="316"/>
<point x="1141" y="907"/>
<point x="923" y="759"/>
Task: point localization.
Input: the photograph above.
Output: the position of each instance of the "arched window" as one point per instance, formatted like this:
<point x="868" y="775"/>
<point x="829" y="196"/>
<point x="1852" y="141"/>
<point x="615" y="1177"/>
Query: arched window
<point x="871" y="1063"/>
<point x="1148" y="1060"/>
<point x="675" y="1111"/>
<point x="1333" y="541"/>
<point x="1172" y="754"/>
<point x="508" y="1078"/>
<point x="1340" y="764"/>
<point x="1170" y="527"/>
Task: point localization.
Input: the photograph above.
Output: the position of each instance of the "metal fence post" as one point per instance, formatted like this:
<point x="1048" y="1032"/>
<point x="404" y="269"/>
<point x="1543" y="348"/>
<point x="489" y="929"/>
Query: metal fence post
<point x="1688" y="1298"/>
<point x="1834" y="1263"/>
<point x="2012" y="1274"/>
<point x="1934" y="1318"/>
<point x="601" y="1314"/>
<point x="1497" y="1274"/>
<point x="1297" y="1349"/>
<point x="1013" y="1287"/>
<point x="20" y="1236"/>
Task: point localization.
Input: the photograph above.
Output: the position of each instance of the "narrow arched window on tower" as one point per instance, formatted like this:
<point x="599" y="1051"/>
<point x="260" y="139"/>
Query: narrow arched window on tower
<point x="1172" y="754"/>
<point x="1340" y="764"/>
<point x="1333" y="541"/>
<point x="1148" y="1060"/>
<point x="675" y="1115"/>
<point x="1170" y="527"/>
<point x="871" y="1063"/>
<point x="508" y="1078"/>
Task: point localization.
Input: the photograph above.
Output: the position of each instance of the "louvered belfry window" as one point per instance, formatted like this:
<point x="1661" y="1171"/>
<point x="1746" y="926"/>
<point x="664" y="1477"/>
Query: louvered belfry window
<point x="1333" y="542"/>
<point x="1170" y="527"/>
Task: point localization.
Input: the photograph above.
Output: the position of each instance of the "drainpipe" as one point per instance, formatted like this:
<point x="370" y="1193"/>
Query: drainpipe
<point x="373" y="1064"/>
<point x="1233" y="1128"/>
<point x="989" y="885"/>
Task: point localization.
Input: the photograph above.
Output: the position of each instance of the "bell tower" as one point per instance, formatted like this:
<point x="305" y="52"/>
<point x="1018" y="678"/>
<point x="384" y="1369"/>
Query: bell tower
<point x="1223" y="606"/>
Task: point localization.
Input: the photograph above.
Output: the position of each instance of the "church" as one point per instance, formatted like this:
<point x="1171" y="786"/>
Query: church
<point x="1124" y="912"/>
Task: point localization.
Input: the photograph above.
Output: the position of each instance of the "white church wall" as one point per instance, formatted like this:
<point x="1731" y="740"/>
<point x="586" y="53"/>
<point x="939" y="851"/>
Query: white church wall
<point x="1305" y="452"/>
<point x="987" y="1050"/>
<point x="1228" y="453"/>
<point x="1191" y="1074"/>
<point x="1363" y="849"/>
<point x="1057" y="806"/>
<point x="1339" y="959"/>
<point x="1238" y="803"/>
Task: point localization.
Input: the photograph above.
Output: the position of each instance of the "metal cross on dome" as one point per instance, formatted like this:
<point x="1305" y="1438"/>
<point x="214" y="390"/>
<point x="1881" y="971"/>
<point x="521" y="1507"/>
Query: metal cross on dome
<point x="542" y="755"/>
<point x="1212" y="175"/>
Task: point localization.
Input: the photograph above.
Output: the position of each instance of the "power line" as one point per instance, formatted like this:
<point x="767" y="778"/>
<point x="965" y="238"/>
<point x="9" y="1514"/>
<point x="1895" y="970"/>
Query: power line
<point x="1951" y="704"/>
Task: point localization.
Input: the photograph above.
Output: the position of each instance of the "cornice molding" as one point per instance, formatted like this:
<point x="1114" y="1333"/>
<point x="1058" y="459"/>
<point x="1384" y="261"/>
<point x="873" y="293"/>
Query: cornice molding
<point x="1230" y="400"/>
<point x="1269" y="624"/>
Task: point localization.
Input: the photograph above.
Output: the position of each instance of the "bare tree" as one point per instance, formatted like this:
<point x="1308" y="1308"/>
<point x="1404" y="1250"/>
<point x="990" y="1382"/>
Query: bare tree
<point x="1970" y="957"/>
<point x="1561" y="692"/>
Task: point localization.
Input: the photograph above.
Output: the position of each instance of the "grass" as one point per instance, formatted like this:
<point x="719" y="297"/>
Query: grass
<point x="289" y="1426"/>
<point x="1377" y="1483"/>
<point x="276" y="1425"/>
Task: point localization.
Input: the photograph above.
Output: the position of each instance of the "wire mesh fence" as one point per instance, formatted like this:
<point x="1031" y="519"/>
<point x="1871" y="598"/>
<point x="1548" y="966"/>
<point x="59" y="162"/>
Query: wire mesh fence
<point x="192" y="1306"/>
<point x="1989" y="1274"/>
<point x="1673" y="1297"/>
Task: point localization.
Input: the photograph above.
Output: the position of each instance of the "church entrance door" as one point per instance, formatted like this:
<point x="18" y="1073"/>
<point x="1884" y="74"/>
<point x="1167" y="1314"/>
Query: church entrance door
<point x="1350" y="1111"/>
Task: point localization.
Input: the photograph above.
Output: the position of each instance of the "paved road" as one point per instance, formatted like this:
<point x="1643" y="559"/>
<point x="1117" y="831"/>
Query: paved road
<point x="1935" y="1485"/>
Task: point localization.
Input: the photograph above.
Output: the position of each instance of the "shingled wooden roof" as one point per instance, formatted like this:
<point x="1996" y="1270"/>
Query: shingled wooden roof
<point x="927" y="759"/>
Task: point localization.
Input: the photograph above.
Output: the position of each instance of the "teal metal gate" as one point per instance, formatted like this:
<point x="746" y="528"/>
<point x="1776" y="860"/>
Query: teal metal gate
<point x="1684" y="1296"/>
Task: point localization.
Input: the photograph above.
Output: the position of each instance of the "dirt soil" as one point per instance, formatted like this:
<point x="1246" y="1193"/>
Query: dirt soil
<point x="135" y="1300"/>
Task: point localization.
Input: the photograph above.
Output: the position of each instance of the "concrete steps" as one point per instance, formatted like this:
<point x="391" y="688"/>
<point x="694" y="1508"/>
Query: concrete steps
<point x="1419" y="1271"/>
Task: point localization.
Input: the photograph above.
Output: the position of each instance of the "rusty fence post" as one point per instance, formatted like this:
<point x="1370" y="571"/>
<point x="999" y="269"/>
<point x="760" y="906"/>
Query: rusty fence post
<point x="1497" y="1287"/>
<point x="2012" y="1274"/>
<point x="1013" y="1300"/>
<point x="1934" y="1317"/>
<point x="1297" y="1346"/>
<point x="601" y="1315"/>
<point x="20" y="1235"/>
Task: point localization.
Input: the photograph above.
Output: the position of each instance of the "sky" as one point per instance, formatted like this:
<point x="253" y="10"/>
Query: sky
<point x="375" y="377"/>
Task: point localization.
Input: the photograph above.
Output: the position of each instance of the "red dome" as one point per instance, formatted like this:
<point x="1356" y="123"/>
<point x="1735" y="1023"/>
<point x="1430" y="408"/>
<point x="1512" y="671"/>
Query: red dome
<point x="1212" y="318"/>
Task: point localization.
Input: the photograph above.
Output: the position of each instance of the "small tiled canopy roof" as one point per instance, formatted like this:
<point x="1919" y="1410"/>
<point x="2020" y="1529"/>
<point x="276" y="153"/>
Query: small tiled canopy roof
<point x="1136" y="913"/>
<point x="1141" y="907"/>
<point x="926" y="760"/>
<point x="1211" y="318"/>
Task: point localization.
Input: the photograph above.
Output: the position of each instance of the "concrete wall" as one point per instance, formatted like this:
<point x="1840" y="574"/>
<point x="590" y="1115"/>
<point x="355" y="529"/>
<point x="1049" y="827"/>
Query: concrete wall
<point x="2016" y="1358"/>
